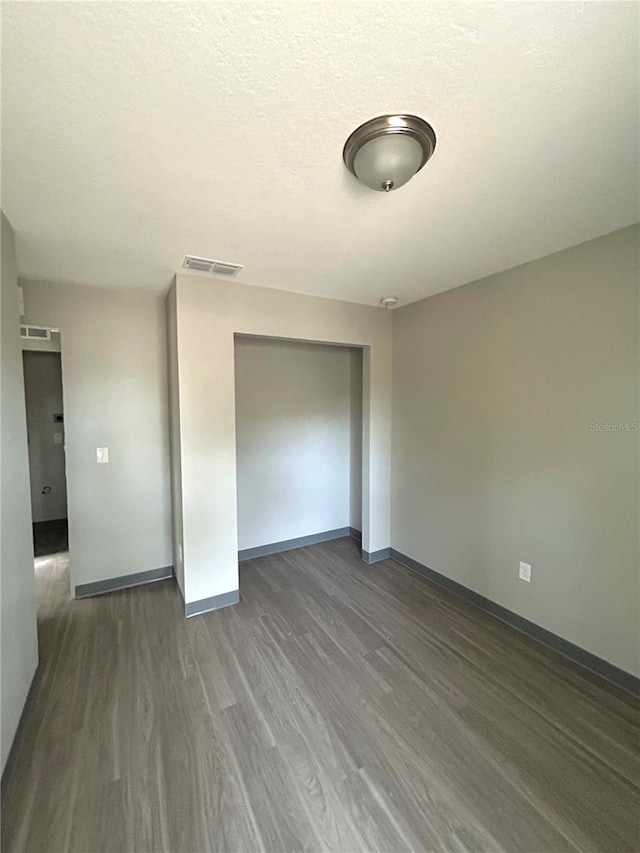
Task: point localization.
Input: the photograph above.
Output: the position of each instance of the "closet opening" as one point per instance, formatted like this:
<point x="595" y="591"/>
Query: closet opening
<point x="299" y="439"/>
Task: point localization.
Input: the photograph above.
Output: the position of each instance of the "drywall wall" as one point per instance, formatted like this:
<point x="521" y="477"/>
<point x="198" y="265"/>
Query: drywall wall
<point x="502" y="391"/>
<point x="114" y="369"/>
<point x="45" y="434"/>
<point x="293" y="439"/>
<point x="19" y="655"/>
<point x="209" y="313"/>
<point x="355" y="452"/>
<point x="174" y="437"/>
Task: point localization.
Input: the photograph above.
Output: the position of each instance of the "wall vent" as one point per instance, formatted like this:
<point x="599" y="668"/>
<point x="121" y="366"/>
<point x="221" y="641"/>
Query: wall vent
<point x="35" y="332"/>
<point x="192" y="262"/>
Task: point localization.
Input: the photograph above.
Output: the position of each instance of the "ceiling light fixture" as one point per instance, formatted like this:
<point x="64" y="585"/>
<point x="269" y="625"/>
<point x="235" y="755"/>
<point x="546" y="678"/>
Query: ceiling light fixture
<point x="386" y="152"/>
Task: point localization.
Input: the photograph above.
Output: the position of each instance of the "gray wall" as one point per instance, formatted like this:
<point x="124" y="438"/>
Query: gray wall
<point x="19" y="656"/>
<point x="497" y="387"/>
<point x="43" y="393"/>
<point x="210" y="312"/>
<point x="293" y="439"/>
<point x="355" y="451"/>
<point x="174" y="427"/>
<point x="114" y="366"/>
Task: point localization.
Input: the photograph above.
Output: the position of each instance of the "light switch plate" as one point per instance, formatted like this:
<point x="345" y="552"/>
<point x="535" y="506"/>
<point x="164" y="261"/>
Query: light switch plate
<point x="525" y="572"/>
<point x="102" y="455"/>
<point x="57" y="438"/>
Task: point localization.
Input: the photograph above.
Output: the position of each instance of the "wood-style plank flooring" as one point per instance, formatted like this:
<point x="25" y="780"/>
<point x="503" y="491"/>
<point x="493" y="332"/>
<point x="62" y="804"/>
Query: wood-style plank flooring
<point x="338" y="707"/>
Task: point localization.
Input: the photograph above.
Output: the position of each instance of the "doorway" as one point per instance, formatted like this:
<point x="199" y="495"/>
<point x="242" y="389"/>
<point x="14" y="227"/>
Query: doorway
<point x="46" y="441"/>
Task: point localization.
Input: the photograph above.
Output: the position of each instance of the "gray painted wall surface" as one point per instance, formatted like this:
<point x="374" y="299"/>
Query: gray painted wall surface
<point x="209" y="314"/>
<point x="293" y="439"/>
<point x="114" y="365"/>
<point x="498" y="391"/>
<point x="19" y="655"/>
<point x="174" y="437"/>
<point x="43" y="393"/>
<point x="355" y="454"/>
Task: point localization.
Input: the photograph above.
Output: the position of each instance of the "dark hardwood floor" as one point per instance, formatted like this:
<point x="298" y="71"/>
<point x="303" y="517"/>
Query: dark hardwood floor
<point x="339" y="707"/>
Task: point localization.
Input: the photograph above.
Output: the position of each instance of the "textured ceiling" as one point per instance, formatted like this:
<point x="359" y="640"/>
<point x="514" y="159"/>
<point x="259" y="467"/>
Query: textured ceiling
<point x="134" y="133"/>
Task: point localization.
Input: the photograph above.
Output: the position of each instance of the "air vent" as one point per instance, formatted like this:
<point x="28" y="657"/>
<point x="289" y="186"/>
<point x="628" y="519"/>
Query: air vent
<point x="35" y="332"/>
<point x="192" y="262"/>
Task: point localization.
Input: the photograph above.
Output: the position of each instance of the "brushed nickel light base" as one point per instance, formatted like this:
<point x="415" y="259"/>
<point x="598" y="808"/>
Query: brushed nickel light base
<point x="410" y="125"/>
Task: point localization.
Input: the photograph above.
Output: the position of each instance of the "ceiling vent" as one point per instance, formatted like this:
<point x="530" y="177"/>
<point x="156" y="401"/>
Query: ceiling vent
<point x="191" y="262"/>
<point x="35" y="332"/>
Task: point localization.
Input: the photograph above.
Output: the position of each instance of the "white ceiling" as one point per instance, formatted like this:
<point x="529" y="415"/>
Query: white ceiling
<point x="134" y="133"/>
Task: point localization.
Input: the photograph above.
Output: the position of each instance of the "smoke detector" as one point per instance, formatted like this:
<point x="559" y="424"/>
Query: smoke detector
<point x="389" y="301"/>
<point x="208" y="265"/>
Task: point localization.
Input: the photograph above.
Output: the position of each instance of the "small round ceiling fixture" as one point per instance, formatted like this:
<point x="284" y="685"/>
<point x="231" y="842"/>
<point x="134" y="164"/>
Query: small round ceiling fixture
<point x="389" y="301"/>
<point x="386" y="152"/>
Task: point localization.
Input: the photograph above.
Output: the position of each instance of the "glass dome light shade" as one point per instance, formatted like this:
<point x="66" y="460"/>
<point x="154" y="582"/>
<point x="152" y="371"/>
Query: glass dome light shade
<point x="388" y="161"/>
<point x="387" y="151"/>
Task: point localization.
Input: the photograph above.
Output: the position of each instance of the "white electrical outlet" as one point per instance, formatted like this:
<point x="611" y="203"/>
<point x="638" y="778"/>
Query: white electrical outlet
<point x="180" y="553"/>
<point x="102" y="455"/>
<point x="525" y="572"/>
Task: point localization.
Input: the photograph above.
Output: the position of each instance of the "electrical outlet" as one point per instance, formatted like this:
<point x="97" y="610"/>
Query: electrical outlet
<point x="180" y="553"/>
<point x="525" y="572"/>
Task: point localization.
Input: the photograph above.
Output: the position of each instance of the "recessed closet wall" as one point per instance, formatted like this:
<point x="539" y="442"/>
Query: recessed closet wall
<point x="205" y="318"/>
<point x="298" y="439"/>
